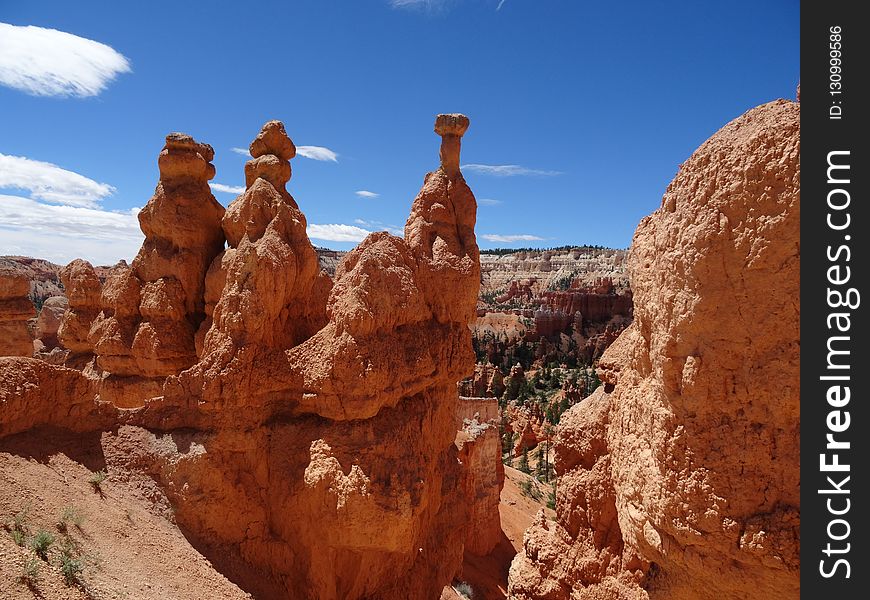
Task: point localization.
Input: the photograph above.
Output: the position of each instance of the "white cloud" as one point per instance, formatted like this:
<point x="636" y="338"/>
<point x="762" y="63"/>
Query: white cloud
<point x="366" y="194"/>
<point x="509" y="239"/>
<point x="48" y="182"/>
<point x="312" y="152"/>
<point x="63" y="233"/>
<point x="508" y="170"/>
<point x="337" y="233"/>
<point x="227" y="189"/>
<point x="380" y="226"/>
<point x="488" y="201"/>
<point x="317" y="153"/>
<point x="48" y="62"/>
<point x="500" y="4"/>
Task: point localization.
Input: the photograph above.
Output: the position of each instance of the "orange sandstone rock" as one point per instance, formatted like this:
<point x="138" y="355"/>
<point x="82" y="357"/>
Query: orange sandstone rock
<point x="151" y="311"/>
<point x="49" y="320"/>
<point x="307" y="445"/>
<point x="15" y="309"/>
<point x="699" y="418"/>
<point x="82" y="288"/>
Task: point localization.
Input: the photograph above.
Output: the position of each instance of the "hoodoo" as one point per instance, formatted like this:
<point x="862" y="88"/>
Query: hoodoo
<point x="302" y="429"/>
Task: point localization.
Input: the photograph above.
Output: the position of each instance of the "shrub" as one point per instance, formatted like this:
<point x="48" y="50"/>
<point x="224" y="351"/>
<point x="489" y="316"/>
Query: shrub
<point x="18" y="528"/>
<point x="70" y="515"/>
<point x="29" y="571"/>
<point x="97" y="479"/>
<point x="465" y="590"/>
<point x="41" y="543"/>
<point x="71" y="567"/>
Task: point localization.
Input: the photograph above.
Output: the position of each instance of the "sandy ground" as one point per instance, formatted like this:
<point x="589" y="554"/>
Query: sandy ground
<point x="128" y="543"/>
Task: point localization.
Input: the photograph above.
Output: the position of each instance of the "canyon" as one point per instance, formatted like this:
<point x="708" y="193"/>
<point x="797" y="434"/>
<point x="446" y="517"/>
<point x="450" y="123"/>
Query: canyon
<point x="279" y="420"/>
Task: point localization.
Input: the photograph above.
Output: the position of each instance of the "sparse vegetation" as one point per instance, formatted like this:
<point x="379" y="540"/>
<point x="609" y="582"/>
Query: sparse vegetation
<point x="70" y="516"/>
<point x="41" y="543"/>
<point x="551" y="499"/>
<point x="524" y="461"/>
<point x="97" y="479"/>
<point x="71" y="562"/>
<point x="464" y="589"/>
<point x="18" y="528"/>
<point x="29" y="575"/>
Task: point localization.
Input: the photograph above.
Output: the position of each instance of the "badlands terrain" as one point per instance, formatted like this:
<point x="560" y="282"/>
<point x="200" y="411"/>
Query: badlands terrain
<point x="238" y="414"/>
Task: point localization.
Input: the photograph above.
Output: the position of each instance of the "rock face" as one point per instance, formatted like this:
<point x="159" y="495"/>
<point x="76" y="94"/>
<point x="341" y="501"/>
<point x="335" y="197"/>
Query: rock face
<point x="49" y="320"/>
<point x="479" y="447"/>
<point x="681" y="478"/>
<point x="151" y="311"/>
<point x="303" y="430"/>
<point x="512" y="274"/>
<point x="15" y="309"/>
<point x="83" y="289"/>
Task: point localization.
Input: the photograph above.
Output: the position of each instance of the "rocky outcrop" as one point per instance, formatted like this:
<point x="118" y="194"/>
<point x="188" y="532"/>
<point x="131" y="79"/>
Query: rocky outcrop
<point x="151" y="310"/>
<point x="308" y="450"/>
<point x="83" y="288"/>
<point x="479" y="447"/>
<point x="49" y="320"/>
<point x="266" y="290"/>
<point x="15" y="309"/>
<point x="681" y="478"/>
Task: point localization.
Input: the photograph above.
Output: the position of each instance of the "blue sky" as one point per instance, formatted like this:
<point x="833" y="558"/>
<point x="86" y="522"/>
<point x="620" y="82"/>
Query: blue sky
<point x="580" y="112"/>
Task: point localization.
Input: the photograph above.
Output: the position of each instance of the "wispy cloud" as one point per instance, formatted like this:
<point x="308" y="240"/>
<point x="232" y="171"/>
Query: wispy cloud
<point x="500" y="4"/>
<point x="48" y="62"/>
<point x="415" y="3"/>
<point x="312" y="152"/>
<point x="366" y="194"/>
<point x="337" y="232"/>
<point x="488" y="201"/>
<point x="317" y="153"/>
<point x="227" y="189"/>
<point x="380" y="226"/>
<point x="510" y="239"/>
<point x="48" y="182"/>
<point x="508" y="170"/>
<point x="62" y="233"/>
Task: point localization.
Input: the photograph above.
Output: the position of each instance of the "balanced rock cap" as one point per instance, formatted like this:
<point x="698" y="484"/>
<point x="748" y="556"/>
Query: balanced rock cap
<point x="273" y="139"/>
<point x="451" y="124"/>
<point x="182" y="141"/>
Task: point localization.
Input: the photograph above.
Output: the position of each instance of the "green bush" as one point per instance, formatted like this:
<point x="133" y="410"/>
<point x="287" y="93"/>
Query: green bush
<point x="97" y="479"/>
<point x="41" y="544"/>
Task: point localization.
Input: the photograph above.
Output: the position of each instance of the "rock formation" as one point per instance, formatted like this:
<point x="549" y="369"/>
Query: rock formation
<point x="680" y="479"/>
<point x="15" y="309"/>
<point x="303" y="431"/>
<point x="151" y="310"/>
<point x="479" y="447"/>
<point x="82" y="287"/>
<point x="49" y="320"/>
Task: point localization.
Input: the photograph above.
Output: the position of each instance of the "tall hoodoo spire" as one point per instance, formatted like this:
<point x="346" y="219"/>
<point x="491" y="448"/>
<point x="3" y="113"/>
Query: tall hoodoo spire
<point x="451" y="128"/>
